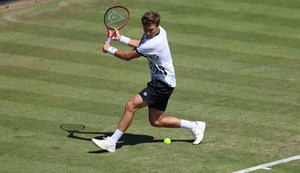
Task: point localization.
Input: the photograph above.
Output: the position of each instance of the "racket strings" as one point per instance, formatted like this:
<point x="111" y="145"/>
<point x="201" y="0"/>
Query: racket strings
<point x="116" y="17"/>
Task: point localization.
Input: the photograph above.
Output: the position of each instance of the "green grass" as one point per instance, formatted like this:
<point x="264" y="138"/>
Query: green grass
<point x="237" y="65"/>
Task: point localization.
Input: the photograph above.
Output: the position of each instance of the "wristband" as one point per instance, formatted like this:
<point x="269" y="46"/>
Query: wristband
<point x="111" y="50"/>
<point x="125" y="40"/>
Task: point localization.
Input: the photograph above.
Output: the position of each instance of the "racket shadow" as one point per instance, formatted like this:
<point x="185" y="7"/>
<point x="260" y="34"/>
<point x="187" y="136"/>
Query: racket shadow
<point x="127" y="139"/>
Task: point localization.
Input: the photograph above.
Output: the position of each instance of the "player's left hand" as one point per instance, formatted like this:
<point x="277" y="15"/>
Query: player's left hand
<point x="116" y="35"/>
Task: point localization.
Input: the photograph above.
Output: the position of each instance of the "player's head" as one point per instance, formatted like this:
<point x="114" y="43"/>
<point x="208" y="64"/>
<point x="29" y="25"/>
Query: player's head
<point x="151" y="17"/>
<point x="150" y="21"/>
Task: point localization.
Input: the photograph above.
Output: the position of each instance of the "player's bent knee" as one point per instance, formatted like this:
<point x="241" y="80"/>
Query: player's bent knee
<point x="155" y="123"/>
<point x="129" y="106"/>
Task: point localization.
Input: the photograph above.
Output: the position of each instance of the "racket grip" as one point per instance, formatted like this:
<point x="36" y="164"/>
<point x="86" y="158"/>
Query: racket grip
<point x="108" y="40"/>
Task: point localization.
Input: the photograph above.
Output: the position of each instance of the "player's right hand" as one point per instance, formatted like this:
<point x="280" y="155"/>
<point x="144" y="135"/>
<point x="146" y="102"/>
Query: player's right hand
<point x="117" y="35"/>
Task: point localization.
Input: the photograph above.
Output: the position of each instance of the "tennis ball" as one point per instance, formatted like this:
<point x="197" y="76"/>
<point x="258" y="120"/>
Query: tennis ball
<point x="167" y="141"/>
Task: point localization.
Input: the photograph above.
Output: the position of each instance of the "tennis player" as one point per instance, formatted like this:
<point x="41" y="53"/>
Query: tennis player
<point x="153" y="46"/>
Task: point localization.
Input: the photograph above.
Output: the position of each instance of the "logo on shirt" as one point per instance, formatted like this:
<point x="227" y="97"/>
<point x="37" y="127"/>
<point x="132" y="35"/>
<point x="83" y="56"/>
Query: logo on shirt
<point x="145" y="93"/>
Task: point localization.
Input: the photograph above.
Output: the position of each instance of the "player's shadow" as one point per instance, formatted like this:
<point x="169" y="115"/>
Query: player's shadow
<point x="126" y="139"/>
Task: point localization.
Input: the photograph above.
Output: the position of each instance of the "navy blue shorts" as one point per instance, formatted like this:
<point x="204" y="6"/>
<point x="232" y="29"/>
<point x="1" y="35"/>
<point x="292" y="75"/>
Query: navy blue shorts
<point x="157" y="94"/>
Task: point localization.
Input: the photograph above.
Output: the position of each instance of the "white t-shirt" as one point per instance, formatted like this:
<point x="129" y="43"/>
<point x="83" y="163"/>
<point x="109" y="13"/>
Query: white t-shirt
<point x="157" y="51"/>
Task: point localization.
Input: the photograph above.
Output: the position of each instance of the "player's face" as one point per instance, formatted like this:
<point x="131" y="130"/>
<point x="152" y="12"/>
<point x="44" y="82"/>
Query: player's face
<point x="151" y="30"/>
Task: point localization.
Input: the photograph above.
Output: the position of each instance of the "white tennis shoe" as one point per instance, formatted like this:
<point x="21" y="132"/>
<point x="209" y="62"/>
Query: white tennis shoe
<point x="105" y="144"/>
<point x="198" y="132"/>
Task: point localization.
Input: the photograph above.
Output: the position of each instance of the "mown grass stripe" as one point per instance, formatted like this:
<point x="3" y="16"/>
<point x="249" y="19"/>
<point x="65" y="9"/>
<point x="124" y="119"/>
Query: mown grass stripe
<point x="89" y="100"/>
<point x="75" y="24"/>
<point x="237" y="102"/>
<point x="201" y="29"/>
<point x="203" y="57"/>
<point x="200" y="53"/>
<point x="239" y="79"/>
<point x="90" y="105"/>
<point x="25" y="128"/>
<point x="293" y="4"/>
<point x="96" y="27"/>
<point x="204" y="9"/>
<point x="54" y="101"/>
<point x="128" y="74"/>
<point x="80" y="93"/>
<point x="62" y="32"/>
<point x="60" y="90"/>
<point x="253" y="8"/>
<point x="243" y="92"/>
<point x="246" y="36"/>
<point x="243" y="7"/>
<point x="236" y="46"/>
<point x="58" y="94"/>
<point x="19" y="124"/>
<point x="206" y="41"/>
<point x="8" y="50"/>
<point x="92" y="83"/>
<point x="182" y="72"/>
<point x="96" y="83"/>
<point x="92" y="72"/>
<point x="61" y="115"/>
<point x="259" y="70"/>
<point x="36" y="165"/>
<point x="241" y="26"/>
<point x="233" y="115"/>
<point x="32" y="151"/>
<point x="51" y="42"/>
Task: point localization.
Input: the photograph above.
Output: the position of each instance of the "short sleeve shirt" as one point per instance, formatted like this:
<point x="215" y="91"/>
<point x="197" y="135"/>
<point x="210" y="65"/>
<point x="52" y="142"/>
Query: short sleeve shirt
<point x="157" y="51"/>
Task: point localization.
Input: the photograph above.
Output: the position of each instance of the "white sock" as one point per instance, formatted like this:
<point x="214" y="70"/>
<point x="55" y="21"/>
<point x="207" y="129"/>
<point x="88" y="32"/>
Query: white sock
<point x="187" y="124"/>
<point x="116" y="136"/>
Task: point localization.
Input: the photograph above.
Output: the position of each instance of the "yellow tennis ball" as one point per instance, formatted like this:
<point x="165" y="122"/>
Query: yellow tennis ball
<point x="167" y="141"/>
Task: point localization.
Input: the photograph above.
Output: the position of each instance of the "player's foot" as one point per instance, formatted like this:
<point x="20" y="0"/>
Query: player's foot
<point x="105" y="144"/>
<point x="198" y="132"/>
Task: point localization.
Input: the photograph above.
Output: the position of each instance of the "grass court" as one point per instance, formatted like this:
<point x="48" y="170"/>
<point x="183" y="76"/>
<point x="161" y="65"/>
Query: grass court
<point x="237" y="64"/>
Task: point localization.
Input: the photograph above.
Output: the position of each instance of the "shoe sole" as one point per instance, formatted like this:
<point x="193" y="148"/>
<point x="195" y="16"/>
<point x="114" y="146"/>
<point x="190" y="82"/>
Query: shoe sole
<point x="109" y="150"/>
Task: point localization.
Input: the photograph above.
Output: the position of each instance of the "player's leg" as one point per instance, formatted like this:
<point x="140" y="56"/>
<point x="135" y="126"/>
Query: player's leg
<point x="157" y="119"/>
<point x="132" y="105"/>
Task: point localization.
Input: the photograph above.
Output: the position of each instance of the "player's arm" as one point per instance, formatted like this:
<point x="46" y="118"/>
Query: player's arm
<point x="132" y="42"/>
<point x="127" y="54"/>
<point x="125" y="40"/>
<point x="122" y="54"/>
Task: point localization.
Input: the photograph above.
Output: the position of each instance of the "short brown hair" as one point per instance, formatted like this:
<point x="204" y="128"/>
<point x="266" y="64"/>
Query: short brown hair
<point x="150" y="17"/>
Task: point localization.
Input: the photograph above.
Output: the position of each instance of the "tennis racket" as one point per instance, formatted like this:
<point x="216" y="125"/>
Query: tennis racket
<point x="115" y="17"/>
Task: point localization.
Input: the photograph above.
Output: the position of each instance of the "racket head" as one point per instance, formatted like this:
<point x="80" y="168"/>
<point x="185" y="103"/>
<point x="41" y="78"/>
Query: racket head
<point x="115" y="17"/>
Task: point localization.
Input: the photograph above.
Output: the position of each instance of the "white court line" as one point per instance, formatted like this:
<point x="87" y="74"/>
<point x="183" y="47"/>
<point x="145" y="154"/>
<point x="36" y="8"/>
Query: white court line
<point x="267" y="165"/>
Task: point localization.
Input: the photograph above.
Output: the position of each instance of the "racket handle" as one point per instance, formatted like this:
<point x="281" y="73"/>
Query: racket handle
<point x="108" y="40"/>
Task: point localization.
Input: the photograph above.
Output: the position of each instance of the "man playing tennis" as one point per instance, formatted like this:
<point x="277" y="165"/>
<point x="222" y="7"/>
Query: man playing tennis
<point x="154" y="46"/>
